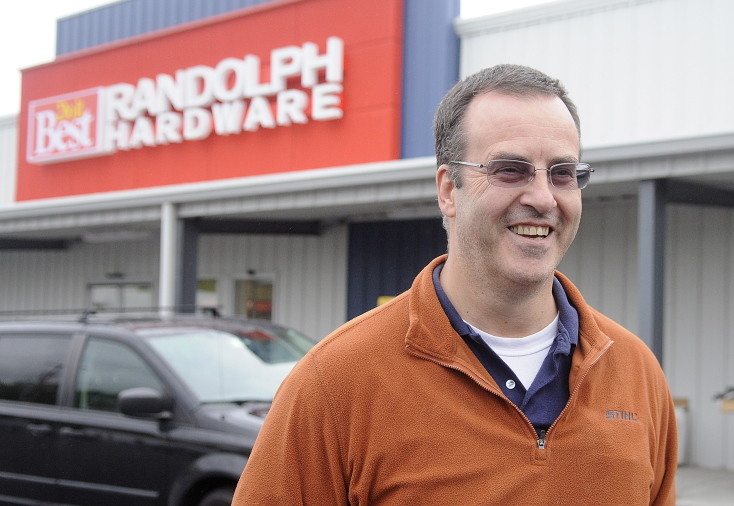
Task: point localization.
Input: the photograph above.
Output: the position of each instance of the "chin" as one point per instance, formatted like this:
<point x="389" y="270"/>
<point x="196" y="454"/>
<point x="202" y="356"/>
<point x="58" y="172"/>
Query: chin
<point x="531" y="277"/>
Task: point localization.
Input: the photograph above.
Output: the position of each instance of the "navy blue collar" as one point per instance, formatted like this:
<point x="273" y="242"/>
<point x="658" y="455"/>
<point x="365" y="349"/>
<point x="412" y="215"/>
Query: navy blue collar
<point x="568" y="319"/>
<point x="546" y="397"/>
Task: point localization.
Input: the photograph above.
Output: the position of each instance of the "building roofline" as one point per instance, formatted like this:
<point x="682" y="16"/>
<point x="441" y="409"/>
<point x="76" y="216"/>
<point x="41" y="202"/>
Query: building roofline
<point x="537" y="14"/>
<point x="333" y="177"/>
<point x="349" y="176"/>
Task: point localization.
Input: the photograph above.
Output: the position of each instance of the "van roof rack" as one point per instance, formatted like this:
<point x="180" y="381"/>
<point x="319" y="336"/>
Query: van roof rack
<point x="85" y="314"/>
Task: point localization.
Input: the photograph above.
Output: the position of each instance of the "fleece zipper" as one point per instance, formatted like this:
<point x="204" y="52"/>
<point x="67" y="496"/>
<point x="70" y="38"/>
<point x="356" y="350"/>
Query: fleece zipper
<point x="541" y="438"/>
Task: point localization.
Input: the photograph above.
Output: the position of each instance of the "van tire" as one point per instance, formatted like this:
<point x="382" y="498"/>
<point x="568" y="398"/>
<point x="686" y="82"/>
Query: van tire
<point x="221" y="496"/>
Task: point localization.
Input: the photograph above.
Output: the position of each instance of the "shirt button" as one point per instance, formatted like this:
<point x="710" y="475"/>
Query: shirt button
<point x="510" y="384"/>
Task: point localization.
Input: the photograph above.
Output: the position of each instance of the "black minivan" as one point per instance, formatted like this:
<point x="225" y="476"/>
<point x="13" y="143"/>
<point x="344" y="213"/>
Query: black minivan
<point x="144" y="411"/>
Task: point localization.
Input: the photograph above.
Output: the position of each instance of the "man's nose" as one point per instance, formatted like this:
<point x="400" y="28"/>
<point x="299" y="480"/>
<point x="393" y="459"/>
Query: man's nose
<point x="539" y="193"/>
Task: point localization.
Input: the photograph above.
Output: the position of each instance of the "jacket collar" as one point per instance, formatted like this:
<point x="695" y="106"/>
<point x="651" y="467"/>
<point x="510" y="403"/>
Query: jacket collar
<point x="431" y="335"/>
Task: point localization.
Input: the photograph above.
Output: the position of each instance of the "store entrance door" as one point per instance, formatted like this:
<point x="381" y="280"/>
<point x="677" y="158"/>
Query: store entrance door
<point x="254" y="298"/>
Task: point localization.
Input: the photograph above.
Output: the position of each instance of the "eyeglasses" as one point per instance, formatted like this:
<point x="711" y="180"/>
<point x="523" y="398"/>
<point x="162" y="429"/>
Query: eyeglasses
<point x="516" y="173"/>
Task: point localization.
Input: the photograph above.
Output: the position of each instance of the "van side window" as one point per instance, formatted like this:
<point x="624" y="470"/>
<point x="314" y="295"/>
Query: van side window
<point x="30" y="367"/>
<point x="107" y="368"/>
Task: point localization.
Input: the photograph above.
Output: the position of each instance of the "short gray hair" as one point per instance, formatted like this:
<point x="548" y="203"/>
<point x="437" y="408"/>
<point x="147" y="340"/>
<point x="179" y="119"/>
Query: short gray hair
<point x="517" y="80"/>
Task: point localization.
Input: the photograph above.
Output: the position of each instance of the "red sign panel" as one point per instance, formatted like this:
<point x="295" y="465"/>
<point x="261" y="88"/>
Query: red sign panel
<point x="291" y="85"/>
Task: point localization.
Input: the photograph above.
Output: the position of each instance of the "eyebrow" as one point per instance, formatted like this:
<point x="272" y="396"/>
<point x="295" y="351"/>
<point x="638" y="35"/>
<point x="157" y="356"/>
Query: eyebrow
<point x="506" y="155"/>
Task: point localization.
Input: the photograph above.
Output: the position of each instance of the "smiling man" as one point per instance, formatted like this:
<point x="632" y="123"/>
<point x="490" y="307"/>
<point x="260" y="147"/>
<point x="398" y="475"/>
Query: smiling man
<point x="490" y="381"/>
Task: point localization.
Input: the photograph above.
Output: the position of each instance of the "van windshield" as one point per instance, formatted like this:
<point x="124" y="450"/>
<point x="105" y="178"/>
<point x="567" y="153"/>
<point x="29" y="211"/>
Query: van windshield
<point x="220" y="366"/>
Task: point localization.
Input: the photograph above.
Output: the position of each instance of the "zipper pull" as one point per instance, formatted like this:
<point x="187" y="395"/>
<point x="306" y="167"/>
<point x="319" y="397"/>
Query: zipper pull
<point x="541" y="440"/>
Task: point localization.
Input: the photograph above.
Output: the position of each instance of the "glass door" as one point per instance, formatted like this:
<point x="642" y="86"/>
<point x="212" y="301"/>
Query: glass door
<point x="254" y="298"/>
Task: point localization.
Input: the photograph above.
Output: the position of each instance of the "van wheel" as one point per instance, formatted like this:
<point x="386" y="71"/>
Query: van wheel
<point x="218" y="497"/>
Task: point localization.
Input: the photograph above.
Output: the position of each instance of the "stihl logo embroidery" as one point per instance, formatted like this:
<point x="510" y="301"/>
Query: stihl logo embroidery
<point x="614" y="414"/>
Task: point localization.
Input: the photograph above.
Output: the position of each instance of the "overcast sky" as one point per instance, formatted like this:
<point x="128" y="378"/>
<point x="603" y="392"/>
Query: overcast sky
<point x="28" y="35"/>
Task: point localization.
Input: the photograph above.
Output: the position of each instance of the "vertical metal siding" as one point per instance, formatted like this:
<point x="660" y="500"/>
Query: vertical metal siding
<point x="699" y="317"/>
<point x="46" y="279"/>
<point x="309" y="274"/>
<point x="700" y="326"/>
<point x="602" y="261"/>
<point x="385" y="257"/>
<point x="121" y="20"/>
<point x="8" y="158"/>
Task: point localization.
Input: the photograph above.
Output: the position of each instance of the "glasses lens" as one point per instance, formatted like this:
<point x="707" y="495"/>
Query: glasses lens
<point x="509" y="173"/>
<point x="564" y="176"/>
<point x="583" y="176"/>
<point x="570" y="176"/>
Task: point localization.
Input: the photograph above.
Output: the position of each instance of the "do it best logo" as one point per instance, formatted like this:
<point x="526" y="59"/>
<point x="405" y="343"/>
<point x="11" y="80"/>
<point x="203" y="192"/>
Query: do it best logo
<point x="229" y="98"/>
<point x="65" y="127"/>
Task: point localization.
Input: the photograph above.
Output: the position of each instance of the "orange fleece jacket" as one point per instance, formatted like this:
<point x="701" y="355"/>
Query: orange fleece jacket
<point x="394" y="409"/>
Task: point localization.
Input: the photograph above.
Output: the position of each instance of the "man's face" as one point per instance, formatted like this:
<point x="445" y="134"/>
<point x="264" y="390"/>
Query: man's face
<point x="488" y="225"/>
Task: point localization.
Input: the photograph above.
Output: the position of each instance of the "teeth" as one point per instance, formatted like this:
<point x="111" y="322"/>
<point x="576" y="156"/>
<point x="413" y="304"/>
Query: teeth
<point x="530" y="230"/>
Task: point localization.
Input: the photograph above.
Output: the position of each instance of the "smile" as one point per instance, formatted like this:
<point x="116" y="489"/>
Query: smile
<point x="530" y="231"/>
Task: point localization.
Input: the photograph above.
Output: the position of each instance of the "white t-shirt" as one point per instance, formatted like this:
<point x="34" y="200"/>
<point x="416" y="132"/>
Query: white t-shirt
<point x="524" y="355"/>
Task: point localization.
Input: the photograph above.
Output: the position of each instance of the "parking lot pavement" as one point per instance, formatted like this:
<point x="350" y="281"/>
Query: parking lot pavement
<point x="704" y="487"/>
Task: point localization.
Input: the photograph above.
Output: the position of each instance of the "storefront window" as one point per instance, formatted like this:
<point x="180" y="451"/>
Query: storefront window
<point x="254" y="298"/>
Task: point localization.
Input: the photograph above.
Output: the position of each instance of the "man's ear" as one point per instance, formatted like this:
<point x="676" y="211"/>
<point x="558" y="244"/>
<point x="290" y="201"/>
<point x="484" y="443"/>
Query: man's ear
<point x="446" y="192"/>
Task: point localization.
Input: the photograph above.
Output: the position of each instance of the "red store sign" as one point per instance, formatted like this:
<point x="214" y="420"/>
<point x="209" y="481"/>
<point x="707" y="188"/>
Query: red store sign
<point x="227" y="97"/>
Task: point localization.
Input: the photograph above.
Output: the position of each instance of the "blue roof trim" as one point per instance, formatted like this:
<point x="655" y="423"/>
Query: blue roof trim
<point x="121" y="20"/>
<point x="430" y="68"/>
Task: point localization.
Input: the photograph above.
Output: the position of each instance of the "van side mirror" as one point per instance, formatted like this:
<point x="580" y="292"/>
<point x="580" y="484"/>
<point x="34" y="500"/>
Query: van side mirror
<point x="144" y="402"/>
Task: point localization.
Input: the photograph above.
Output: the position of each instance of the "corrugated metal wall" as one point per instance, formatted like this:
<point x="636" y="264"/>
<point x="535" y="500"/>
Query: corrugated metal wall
<point x="57" y="279"/>
<point x="121" y="20"/>
<point x="639" y="70"/>
<point x="603" y="259"/>
<point x="385" y="257"/>
<point x="699" y="325"/>
<point x="8" y="158"/>
<point x="309" y="274"/>
<point x="699" y="305"/>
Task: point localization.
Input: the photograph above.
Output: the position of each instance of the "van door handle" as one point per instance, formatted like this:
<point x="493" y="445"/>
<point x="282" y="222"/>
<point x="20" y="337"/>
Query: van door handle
<point x="39" y="429"/>
<point x="79" y="433"/>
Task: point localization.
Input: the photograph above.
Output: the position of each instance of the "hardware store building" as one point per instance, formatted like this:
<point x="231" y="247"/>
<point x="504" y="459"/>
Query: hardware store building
<point x="275" y="159"/>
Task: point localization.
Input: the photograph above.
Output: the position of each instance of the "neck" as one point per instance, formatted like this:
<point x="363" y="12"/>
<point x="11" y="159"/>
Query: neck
<point x="499" y="307"/>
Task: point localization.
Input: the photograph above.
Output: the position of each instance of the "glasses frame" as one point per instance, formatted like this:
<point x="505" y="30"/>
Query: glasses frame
<point x="583" y="167"/>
